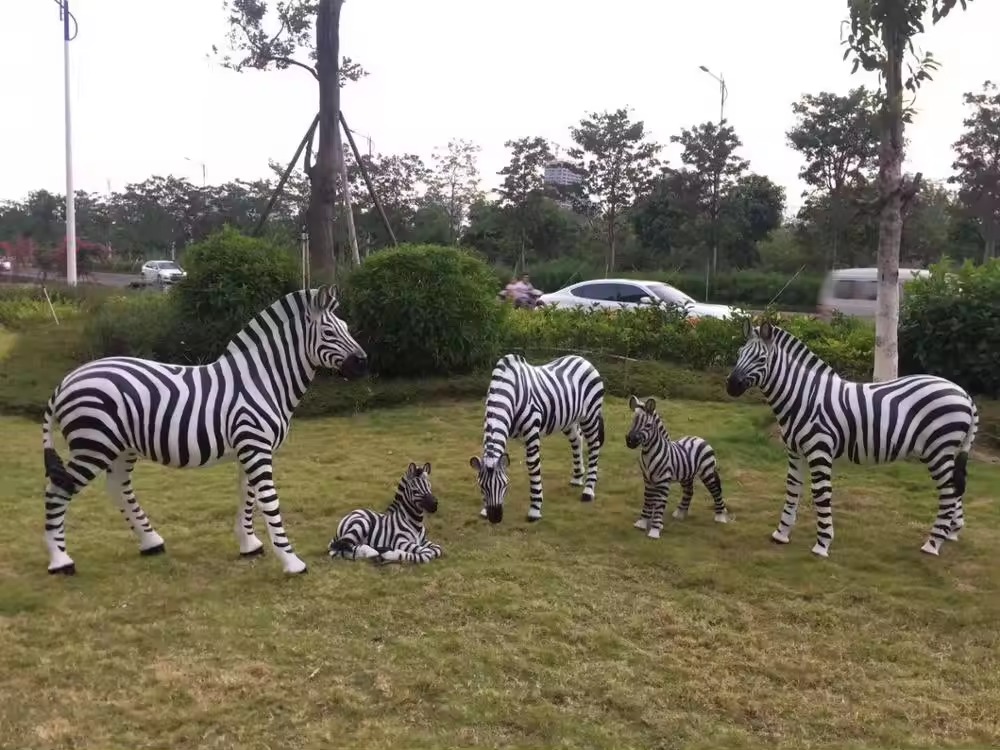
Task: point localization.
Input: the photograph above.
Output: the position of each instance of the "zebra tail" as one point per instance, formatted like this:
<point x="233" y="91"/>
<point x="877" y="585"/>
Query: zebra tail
<point x="55" y="469"/>
<point x="962" y="457"/>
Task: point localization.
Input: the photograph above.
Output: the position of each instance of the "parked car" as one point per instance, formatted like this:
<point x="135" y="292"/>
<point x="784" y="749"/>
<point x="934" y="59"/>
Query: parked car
<point x="854" y="291"/>
<point x="162" y="272"/>
<point x="631" y="293"/>
<point x="5" y="265"/>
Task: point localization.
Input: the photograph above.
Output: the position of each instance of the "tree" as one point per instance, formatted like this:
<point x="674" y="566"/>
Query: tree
<point x="838" y="138"/>
<point x="669" y="220"/>
<point x="454" y="183"/>
<point x="749" y="211"/>
<point x="709" y="150"/>
<point x="273" y="39"/>
<point x="523" y="179"/>
<point x="397" y="180"/>
<point x="619" y="164"/>
<point x="978" y="165"/>
<point x="881" y="31"/>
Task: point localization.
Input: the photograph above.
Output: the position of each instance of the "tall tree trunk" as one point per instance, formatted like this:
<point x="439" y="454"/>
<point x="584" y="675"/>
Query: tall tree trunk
<point x="323" y="179"/>
<point x="890" y="230"/>
<point x="352" y="233"/>
<point x="989" y="249"/>
<point x="609" y="265"/>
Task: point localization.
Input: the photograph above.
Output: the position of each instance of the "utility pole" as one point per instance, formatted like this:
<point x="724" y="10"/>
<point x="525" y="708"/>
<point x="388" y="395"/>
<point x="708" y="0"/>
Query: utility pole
<point x="716" y="176"/>
<point x="66" y="17"/>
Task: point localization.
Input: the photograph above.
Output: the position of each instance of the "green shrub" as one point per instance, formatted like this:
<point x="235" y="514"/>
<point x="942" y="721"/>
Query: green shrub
<point x="24" y="306"/>
<point x="230" y="278"/>
<point x="950" y="326"/>
<point x="425" y="309"/>
<point x="136" y="325"/>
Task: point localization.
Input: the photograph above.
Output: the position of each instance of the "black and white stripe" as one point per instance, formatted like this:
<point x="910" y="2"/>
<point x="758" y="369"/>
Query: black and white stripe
<point x="823" y="417"/>
<point x="398" y="535"/>
<point x="238" y="408"/>
<point x="663" y="461"/>
<point x="529" y="401"/>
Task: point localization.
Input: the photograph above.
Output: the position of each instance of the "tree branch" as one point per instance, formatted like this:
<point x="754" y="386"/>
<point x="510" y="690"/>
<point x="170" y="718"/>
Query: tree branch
<point x="290" y="61"/>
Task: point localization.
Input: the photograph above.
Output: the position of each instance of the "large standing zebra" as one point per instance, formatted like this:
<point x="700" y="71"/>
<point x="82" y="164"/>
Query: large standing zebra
<point x="663" y="461"/>
<point x="530" y="401"/>
<point x="823" y="417"/>
<point x="398" y="535"/>
<point x="239" y="407"/>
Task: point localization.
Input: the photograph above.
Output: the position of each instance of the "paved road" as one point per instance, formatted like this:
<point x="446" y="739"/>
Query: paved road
<point x="98" y="277"/>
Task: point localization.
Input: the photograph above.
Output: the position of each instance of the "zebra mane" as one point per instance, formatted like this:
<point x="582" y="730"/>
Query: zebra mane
<point x="798" y="353"/>
<point x="282" y="314"/>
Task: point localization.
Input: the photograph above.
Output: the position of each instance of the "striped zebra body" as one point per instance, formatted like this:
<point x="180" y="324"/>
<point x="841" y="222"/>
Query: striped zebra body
<point x="824" y="417"/>
<point x="398" y="534"/>
<point x="530" y="401"/>
<point x="663" y="461"/>
<point x="115" y="410"/>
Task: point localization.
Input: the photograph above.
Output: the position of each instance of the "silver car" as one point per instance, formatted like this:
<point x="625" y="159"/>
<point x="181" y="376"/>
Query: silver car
<point x="161" y="272"/>
<point x="631" y="293"/>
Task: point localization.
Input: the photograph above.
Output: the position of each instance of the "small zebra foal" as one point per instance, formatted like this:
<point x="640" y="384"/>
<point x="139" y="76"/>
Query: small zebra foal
<point x="663" y="461"/>
<point x="398" y="535"/>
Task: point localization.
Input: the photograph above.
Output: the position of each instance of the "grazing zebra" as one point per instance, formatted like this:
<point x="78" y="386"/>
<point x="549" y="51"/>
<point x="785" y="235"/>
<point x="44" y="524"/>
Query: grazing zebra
<point x="237" y="408"/>
<point x="530" y="401"/>
<point x="663" y="461"/>
<point x="398" y="535"/>
<point x="823" y="417"/>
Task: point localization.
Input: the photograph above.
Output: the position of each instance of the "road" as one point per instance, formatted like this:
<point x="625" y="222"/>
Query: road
<point x="101" y="278"/>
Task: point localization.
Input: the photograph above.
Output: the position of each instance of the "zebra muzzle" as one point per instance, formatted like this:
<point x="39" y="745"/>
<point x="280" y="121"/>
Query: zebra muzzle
<point x="429" y="503"/>
<point x="355" y="365"/>
<point x="631" y="441"/>
<point x="494" y="513"/>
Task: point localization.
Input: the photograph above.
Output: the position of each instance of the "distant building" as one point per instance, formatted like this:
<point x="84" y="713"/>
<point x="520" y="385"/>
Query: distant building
<point x="562" y="173"/>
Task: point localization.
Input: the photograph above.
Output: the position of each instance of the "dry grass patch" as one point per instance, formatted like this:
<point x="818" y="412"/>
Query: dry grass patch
<point x="574" y="632"/>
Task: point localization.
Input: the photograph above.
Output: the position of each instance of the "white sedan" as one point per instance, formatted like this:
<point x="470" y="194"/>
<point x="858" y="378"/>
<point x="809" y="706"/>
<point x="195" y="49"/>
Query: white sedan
<point x="616" y="294"/>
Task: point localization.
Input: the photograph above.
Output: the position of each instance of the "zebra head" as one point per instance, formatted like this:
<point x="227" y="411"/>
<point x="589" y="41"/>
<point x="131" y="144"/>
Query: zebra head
<point x="415" y="489"/>
<point x="329" y="342"/>
<point x="493" y="483"/>
<point x="645" y="422"/>
<point x="752" y="359"/>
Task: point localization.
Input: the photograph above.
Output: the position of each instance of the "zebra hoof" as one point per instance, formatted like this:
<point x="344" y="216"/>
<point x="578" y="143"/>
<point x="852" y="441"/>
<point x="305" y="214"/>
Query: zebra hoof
<point x="778" y="538"/>
<point x="66" y="570"/>
<point x="930" y="548"/>
<point x="253" y="553"/>
<point x="534" y="519"/>
<point x="157" y="549"/>
<point x="576" y="482"/>
<point x="586" y="498"/>
<point x="820" y="551"/>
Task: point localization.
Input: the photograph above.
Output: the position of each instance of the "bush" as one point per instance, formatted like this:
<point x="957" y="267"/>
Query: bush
<point x="136" y="325"/>
<point x="662" y="334"/>
<point x="230" y="278"/>
<point x="23" y="306"/>
<point x="425" y="309"/>
<point x="950" y="326"/>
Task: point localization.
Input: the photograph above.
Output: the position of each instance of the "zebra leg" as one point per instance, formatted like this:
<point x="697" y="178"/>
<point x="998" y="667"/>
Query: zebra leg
<point x="258" y="466"/>
<point x="957" y="520"/>
<point x="942" y="471"/>
<point x="687" y="492"/>
<point x="593" y="433"/>
<point x="793" y="491"/>
<point x="533" y="460"/>
<point x="123" y="496"/>
<point x="410" y="553"/>
<point x="821" y="474"/>
<point x="573" y="433"/>
<point x="250" y="544"/>
<point x="713" y="483"/>
<point x="656" y="500"/>
<point x="63" y="484"/>
<point x="351" y="551"/>
<point x="646" y="515"/>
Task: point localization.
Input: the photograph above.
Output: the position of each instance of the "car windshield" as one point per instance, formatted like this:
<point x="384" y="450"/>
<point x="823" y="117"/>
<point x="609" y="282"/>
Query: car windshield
<point x="168" y="266"/>
<point x="669" y="294"/>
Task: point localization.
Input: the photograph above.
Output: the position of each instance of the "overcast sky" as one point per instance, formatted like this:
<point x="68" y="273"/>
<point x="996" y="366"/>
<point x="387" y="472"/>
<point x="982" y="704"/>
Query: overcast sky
<point x="147" y="100"/>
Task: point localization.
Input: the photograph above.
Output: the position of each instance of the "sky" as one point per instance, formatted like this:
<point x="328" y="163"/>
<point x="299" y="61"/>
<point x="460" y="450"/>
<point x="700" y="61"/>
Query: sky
<point x="148" y="98"/>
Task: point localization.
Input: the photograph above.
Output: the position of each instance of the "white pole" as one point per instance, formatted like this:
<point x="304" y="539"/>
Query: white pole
<point x="70" y="197"/>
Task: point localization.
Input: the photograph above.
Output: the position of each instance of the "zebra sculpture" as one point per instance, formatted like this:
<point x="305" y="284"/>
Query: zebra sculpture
<point x="823" y="417"/>
<point x="398" y="535"/>
<point x="237" y="408"/>
<point x="530" y="401"/>
<point x="663" y="461"/>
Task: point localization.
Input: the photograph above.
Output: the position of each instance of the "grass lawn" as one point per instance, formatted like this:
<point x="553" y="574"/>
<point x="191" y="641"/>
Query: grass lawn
<point x="575" y="632"/>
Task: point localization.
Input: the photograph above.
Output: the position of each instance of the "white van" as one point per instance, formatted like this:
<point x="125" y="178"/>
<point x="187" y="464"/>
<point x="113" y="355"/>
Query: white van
<point x="853" y="291"/>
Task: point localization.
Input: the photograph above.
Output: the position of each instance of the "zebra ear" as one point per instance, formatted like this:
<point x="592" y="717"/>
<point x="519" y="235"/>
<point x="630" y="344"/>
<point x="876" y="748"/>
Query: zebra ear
<point x="633" y="402"/>
<point x="747" y="328"/>
<point x="650" y="405"/>
<point x="766" y="331"/>
<point x="326" y="298"/>
<point x="427" y="468"/>
<point x="411" y="470"/>
<point x="475" y="463"/>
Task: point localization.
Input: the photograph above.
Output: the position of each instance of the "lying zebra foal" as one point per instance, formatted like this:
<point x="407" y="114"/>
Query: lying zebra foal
<point x="398" y="535"/>
<point x="663" y="461"/>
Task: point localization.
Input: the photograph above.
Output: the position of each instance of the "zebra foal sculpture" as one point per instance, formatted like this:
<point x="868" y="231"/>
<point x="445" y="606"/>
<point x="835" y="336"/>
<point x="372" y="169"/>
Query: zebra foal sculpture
<point x="824" y="417"/>
<point x="115" y="410"/>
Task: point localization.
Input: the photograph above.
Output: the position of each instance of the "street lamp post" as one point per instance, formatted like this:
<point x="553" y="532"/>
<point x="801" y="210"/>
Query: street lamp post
<point x="66" y="17"/>
<point x="716" y="176"/>
<point x="204" y="170"/>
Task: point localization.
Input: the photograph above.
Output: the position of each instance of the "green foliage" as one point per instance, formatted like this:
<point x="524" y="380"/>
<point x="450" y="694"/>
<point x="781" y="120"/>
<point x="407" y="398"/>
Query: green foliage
<point x="231" y="277"/>
<point x="661" y="334"/>
<point x="950" y="326"/>
<point x="136" y="325"/>
<point x="425" y="309"/>
<point x="21" y="306"/>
